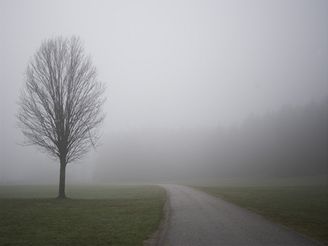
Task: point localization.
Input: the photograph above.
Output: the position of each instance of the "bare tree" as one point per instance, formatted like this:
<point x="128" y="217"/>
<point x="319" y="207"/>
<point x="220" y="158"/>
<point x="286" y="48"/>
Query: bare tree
<point x="60" y="106"/>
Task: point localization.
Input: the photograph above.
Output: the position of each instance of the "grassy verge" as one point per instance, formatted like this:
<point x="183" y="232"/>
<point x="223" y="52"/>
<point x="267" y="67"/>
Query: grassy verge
<point x="122" y="215"/>
<point x="303" y="208"/>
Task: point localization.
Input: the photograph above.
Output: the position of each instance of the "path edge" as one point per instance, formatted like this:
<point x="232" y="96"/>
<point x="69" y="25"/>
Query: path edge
<point x="315" y="241"/>
<point x="157" y="238"/>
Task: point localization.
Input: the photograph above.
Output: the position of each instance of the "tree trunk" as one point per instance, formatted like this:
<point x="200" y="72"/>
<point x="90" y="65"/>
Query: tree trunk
<point x="62" y="173"/>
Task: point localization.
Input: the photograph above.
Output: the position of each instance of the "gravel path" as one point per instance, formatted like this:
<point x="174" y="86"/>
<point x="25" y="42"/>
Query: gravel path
<point x="196" y="218"/>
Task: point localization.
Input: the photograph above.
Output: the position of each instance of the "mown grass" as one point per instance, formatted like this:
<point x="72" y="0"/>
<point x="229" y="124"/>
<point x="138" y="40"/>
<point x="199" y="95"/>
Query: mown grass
<point x="121" y="215"/>
<point x="303" y="208"/>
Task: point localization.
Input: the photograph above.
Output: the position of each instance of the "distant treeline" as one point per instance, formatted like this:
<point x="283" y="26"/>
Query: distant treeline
<point x="290" y="142"/>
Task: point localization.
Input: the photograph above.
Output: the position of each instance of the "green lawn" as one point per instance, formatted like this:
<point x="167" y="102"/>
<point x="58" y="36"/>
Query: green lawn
<point x="304" y="208"/>
<point x="102" y="215"/>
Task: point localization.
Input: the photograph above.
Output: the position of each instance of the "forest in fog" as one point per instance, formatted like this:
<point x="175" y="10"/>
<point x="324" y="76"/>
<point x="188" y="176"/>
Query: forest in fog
<point x="290" y="142"/>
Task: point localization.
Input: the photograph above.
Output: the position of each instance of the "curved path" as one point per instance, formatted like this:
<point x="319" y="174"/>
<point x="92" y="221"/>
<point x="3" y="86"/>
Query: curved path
<point x="196" y="218"/>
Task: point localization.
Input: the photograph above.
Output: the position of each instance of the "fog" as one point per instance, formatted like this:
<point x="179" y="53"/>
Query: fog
<point x="196" y="90"/>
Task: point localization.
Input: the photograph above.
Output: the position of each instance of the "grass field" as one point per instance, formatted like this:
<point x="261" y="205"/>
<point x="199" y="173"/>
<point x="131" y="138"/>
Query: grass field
<point x="303" y="208"/>
<point x="113" y="215"/>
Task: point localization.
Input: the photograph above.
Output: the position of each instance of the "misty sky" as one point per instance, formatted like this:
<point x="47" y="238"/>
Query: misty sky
<point x="170" y="64"/>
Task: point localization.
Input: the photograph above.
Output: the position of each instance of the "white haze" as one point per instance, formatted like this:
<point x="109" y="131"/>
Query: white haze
<point x="168" y="65"/>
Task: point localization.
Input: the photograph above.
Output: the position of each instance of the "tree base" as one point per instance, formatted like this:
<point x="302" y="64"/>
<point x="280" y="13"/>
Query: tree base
<point x="61" y="197"/>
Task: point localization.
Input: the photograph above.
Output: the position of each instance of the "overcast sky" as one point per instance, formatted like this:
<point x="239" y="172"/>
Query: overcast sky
<point x="173" y="64"/>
